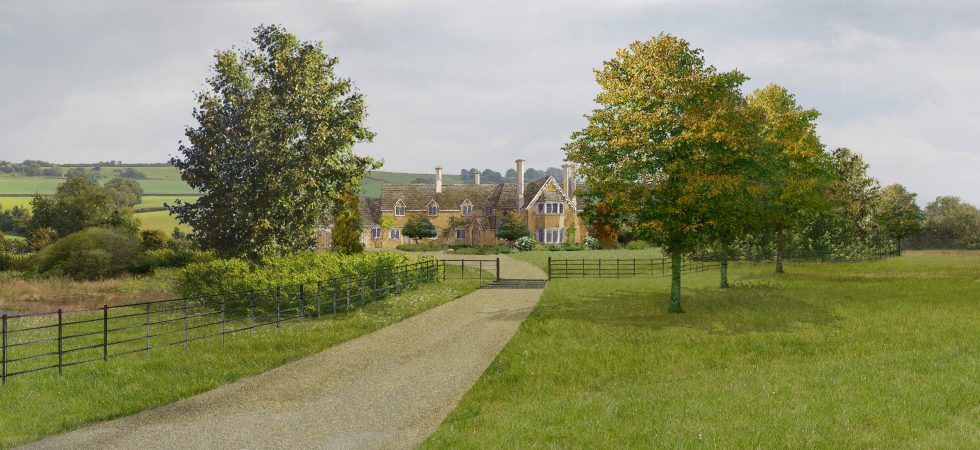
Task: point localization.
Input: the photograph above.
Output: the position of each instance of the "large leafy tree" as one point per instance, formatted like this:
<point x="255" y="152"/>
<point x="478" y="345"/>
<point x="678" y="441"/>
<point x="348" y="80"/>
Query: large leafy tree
<point x="950" y="223"/>
<point x="799" y="171"/>
<point x="897" y="214"/>
<point x="665" y="144"/>
<point x="272" y="148"/>
<point x="124" y="192"/>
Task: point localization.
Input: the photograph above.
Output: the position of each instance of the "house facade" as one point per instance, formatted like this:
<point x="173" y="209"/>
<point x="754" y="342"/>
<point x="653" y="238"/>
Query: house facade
<point x="470" y="213"/>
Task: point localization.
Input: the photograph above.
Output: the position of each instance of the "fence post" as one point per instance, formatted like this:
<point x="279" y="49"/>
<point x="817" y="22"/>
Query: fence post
<point x="60" y="334"/>
<point x="147" y="328"/>
<point x="186" y="300"/>
<point x="498" y="269"/>
<point x="105" y="332"/>
<point x="462" y="269"/>
<point x="3" y="357"/>
<point x="301" y="300"/>
<point x="374" y="285"/>
<point x="336" y="292"/>
<point x="600" y="268"/>
<point x="348" y="291"/>
<point x="319" y="297"/>
<point x="251" y="311"/>
<point x="549" y="268"/>
<point x="443" y="270"/>
<point x="222" y="319"/>
<point x="277" y="307"/>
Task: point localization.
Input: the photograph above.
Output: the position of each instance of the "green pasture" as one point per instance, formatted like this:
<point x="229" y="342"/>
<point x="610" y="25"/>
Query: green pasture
<point x="160" y="220"/>
<point x="830" y="355"/>
<point x="36" y="405"/>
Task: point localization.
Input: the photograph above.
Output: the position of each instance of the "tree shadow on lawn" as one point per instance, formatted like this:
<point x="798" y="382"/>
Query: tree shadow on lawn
<point x="736" y="310"/>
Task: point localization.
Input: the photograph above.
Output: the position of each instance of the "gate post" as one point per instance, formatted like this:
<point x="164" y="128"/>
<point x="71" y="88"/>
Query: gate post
<point x="549" y="268"/>
<point x="498" y="268"/>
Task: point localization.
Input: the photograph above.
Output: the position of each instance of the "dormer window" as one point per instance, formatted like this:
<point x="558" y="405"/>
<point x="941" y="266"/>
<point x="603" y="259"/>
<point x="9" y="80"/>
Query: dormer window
<point x="399" y="208"/>
<point x="433" y="208"/>
<point x="466" y="208"/>
<point x="551" y="208"/>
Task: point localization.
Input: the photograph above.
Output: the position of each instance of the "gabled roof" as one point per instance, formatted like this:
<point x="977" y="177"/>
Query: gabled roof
<point x="418" y="196"/>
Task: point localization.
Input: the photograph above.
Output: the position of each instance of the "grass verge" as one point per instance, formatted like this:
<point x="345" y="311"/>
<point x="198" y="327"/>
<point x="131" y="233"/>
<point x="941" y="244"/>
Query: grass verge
<point x="35" y="406"/>
<point x="868" y="355"/>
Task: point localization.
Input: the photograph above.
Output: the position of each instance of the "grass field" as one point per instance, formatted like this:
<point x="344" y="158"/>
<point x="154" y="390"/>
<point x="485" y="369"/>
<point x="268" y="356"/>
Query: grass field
<point x="161" y="220"/>
<point x="47" y="186"/>
<point x="10" y="202"/>
<point x="34" y="406"/>
<point x="157" y="201"/>
<point x="849" y="355"/>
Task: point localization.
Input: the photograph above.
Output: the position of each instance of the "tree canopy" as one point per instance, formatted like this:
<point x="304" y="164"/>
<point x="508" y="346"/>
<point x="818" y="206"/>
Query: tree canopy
<point x="418" y="227"/>
<point x="667" y="143"/>
<point x="272" y="147"/>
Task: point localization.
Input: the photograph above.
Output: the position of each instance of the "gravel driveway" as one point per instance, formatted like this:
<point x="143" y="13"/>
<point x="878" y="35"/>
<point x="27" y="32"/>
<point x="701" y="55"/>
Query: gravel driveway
<point x="387" y="389"/>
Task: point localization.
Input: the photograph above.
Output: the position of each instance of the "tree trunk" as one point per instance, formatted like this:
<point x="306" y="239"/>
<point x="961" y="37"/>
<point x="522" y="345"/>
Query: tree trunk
<point x="724" y="266"/>
<point x="675" y="282"/>
<point x="898" y="245"/>
<point x="779" y="251"/>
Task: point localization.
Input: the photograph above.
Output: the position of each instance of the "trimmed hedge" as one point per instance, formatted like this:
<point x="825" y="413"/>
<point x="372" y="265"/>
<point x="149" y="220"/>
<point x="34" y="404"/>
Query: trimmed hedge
<point x="92" y="254"/>
<point x="236" y="275"/>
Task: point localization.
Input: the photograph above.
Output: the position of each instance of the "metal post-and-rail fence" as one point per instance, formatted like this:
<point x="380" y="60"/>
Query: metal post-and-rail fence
<point x="484" y="270"/>
<point x="621" y="268"/>
<point x="49" y="341"/>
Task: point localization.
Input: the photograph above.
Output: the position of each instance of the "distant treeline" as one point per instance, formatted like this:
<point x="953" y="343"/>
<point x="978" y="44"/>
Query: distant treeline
<point x="38" y="168"/>
<point x="488" y="176"/>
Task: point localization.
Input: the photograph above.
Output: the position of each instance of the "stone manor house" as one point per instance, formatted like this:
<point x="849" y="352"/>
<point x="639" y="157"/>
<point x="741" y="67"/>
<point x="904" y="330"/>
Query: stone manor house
<point x="469" y="213"/>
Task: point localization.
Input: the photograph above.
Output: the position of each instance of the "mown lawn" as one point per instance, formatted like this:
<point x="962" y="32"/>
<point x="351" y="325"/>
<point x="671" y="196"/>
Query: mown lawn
<point x="34" y="406"/>
<point x="869" y="355"/>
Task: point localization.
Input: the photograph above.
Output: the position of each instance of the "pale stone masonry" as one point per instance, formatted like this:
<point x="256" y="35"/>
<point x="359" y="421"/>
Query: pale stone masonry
<point x="546" y="205"/>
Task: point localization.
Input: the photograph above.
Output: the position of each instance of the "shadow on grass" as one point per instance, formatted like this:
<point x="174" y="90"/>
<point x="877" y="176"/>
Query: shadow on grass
<point x="739" y="309"/>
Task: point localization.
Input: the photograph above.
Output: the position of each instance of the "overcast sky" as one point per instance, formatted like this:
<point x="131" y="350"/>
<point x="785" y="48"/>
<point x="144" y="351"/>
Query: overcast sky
<point x="466" y="84"/>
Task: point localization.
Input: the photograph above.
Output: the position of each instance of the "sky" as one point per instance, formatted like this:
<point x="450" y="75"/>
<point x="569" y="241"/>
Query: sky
<point x="480" y="84"/>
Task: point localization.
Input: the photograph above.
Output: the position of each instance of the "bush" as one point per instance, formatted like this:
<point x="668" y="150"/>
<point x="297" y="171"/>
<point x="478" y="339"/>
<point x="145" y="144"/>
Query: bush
<point x="637" y="245"/>
<point x="424" y="247"/>
<point x="153" y="239"/>
<point x="592" y="243"/>
<point x="236" y="275"/>
<point x="525" y="243"/>
<point x="91" y="254"/>
<point x="178" y="256"/>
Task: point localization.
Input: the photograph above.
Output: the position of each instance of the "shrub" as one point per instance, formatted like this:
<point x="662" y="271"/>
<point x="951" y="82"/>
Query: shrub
<point x="525" y="243"/>
<point x="153" y="239"/>
<point x="591" y="243"/>
<point x="637" y="245"/>
<point x="39" y="238"/>
<point x="92" y="254"/>
<point x="236" y="275"/>
<point x="178" y="256"/>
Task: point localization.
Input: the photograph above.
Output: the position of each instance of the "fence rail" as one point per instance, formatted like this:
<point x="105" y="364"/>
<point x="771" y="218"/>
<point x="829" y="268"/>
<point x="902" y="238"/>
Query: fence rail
<point x="620" y="268"/>
<point x="483" y="270"/>
<point x="53" y="341"/>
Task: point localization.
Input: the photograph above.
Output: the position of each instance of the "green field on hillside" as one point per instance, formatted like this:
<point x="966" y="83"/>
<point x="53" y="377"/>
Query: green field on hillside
<point x="166" y="180"/>
<point x="160" y="220"/>
<point x="879" y="354"/>
<point x="157" y="201"/>
<point x="10" y="202"/>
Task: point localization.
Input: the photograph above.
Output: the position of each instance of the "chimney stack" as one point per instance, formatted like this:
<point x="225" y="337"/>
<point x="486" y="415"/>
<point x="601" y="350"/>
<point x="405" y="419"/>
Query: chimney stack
<point x="565" y="169"/>
<point x="438" y="179"/>
<point x="476" y="178"/>
<point x="571" y="183"/>
<point x="520" y="184"/>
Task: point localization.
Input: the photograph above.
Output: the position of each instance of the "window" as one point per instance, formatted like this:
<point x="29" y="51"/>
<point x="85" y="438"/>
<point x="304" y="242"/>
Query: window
<point x="551" y="208"/>
<point x="466" y="208"/>
<point x="399" y="208"/>
<point x="460" y="234"/>
<point x="550" y="235"/>
<point x="375" y="232"/>
<point x="395" y="233"/>
<point x="433" y="210"/>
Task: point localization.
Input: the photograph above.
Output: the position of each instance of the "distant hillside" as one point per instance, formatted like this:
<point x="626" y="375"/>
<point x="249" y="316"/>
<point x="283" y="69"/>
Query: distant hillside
<point x="164" y="179"/>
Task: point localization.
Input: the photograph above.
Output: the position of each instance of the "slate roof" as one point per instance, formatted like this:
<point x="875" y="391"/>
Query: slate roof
<point x="417" y="196"/>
